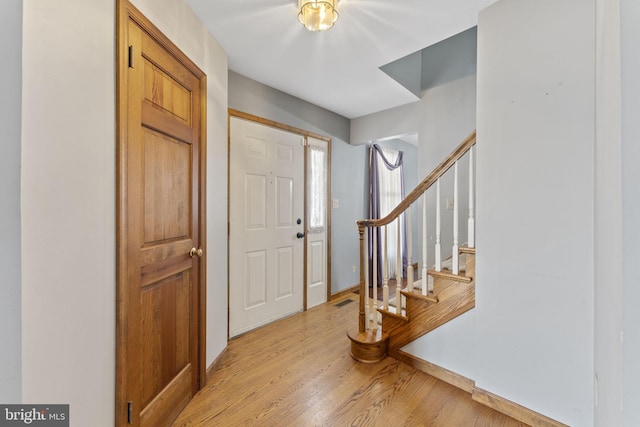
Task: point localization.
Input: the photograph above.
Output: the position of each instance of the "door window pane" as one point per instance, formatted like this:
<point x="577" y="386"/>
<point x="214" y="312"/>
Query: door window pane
<point x="317" y="189"/>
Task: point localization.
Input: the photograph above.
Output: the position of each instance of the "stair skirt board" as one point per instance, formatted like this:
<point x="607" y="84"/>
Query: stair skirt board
<point x="493" y="401"/>
<point x="450" y="377"/>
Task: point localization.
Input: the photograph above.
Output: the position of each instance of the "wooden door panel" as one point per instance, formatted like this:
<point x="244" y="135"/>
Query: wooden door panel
<point x="166" y="93"/>
<point x="164" y="122"/>
<point x="167" y="188"/>
<point x="165" y="332"/>
<point x="172" y="68"/>
<point x="161" y="261"/>
<point x="168" y="404"/>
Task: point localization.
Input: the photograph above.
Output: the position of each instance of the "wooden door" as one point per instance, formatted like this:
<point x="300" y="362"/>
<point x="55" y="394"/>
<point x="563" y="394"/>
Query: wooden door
<point x="160" y="214"/>
<point x="266" y="215"/>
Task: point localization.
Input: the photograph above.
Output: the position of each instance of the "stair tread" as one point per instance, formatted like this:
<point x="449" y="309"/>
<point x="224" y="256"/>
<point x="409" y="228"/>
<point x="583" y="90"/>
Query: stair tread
<point x="448" y="274"/>
<point x="393" y="314"/>
<point x="467" y="250"/>
<point x="417" y="294"/>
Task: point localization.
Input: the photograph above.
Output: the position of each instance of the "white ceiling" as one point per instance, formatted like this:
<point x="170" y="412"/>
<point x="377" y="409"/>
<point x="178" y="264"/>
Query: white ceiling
<point x="336" y="69"/>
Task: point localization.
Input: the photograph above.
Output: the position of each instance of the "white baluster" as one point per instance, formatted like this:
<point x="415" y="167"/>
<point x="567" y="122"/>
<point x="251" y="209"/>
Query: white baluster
<point x="375" y="278"/>
<point x="367" y="300"/>
<point x="438" y="253"/>
<point x="385" y="273"/>
<point x="471" y="227"/>
<point x="454" y="251"/>
<point x="399" y="269"/>
<point x="425" y="279"/>
<point x="409" y="252"/>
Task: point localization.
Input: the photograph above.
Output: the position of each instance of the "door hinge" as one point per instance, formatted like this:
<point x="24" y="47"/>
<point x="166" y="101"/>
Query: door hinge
<point x="130" y="412"/>
<point x="131" y="56"/>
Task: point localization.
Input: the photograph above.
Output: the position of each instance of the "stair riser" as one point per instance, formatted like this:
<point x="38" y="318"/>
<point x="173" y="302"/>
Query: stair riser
<point x="445" y="288"/>
<point x="470" y="266"/>
<point x="425" y="318"/>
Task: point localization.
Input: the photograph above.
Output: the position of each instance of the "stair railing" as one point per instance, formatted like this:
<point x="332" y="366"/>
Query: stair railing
<point x="368" y="309"/>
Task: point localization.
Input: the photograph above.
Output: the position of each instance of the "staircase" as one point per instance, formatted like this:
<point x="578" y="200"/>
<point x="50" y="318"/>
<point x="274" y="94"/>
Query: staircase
<point x="424" y="305"/>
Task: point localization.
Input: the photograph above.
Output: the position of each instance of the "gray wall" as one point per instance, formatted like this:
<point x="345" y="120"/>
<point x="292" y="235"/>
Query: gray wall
<point x="249" y="96"/>
<point x="349" y="172"/>
<point x="348" y="164"/>
<point x="10" y="242"/>
<point x="535" y="206"/>
<point x="631" y="208"/>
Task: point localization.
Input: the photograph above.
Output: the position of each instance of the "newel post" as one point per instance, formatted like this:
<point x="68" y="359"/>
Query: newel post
<point x="361" y="312"/>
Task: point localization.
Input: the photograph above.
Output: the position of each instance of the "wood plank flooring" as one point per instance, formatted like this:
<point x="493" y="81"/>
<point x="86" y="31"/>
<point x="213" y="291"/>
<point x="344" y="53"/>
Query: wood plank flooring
<point x="298" y="372"/>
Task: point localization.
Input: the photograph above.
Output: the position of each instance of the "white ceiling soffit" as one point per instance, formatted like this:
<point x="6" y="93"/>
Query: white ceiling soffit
<point x="338" y="69"/>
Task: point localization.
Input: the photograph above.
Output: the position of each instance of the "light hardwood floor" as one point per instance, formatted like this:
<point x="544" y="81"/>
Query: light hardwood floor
<point x="298" y="372"/>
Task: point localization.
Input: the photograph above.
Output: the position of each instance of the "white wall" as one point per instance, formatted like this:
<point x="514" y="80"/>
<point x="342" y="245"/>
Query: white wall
<point x="535" y="206"/>
<point x="10" y="113"/>
<point x="68" y="205"/>
<point x="68" y="197"/>
<point x="608" y="226"/>
<point x="630" y="35"/>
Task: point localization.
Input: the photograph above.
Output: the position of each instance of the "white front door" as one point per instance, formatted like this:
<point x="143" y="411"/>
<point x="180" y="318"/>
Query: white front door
<point x="266" y="207"/>
<point x="317" y="219"/>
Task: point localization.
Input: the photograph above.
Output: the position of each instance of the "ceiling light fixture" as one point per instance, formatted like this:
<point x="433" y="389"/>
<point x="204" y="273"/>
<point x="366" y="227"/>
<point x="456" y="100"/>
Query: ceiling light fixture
<point x="318" y="15"/>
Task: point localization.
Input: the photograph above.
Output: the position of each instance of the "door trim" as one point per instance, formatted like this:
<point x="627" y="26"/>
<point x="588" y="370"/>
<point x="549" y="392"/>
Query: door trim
<point x="125" y="11"/>
<point x="305" y="134"/>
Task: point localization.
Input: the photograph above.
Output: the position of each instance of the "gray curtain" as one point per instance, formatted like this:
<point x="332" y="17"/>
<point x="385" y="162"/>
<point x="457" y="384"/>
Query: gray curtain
<point x="374" y="209"/>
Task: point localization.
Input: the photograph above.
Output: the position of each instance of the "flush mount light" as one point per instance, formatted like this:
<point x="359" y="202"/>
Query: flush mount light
<point x="318" y="15"/>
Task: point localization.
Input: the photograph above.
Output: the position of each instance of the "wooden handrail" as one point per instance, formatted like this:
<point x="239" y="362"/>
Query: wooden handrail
<point x="423" y="186"/>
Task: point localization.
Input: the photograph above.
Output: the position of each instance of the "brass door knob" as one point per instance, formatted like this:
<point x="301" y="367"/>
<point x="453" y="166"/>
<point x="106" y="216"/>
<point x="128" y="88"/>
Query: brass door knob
<point x="196" y="252"/>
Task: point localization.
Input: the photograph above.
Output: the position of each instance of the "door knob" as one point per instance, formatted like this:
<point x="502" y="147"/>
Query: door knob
<point x="196" y="252"/>
<point x="300" y="235"/>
